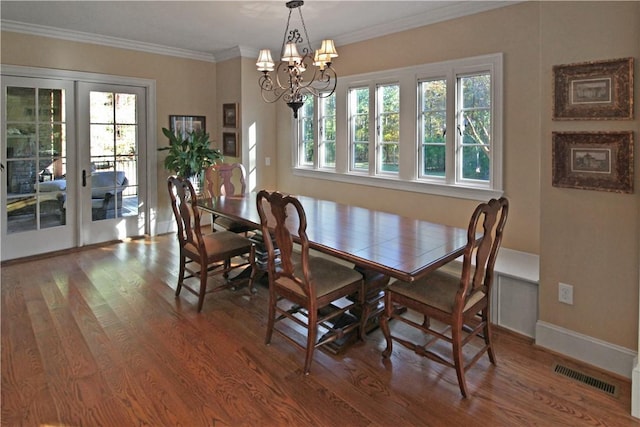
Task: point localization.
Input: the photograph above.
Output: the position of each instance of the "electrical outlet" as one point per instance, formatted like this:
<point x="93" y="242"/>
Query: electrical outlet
<point x="267" y="161"/>
<point x="565" y="293"/>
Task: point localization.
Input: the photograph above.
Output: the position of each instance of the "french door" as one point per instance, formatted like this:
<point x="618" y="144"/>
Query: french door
<point x="73" y="173"/>
<point x="39" y="188"/>
<point x="111" y="166"/>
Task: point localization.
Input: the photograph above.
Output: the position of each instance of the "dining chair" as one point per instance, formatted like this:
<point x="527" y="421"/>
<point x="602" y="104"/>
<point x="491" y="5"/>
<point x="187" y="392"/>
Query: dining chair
<point x="226" y="179"/>
<point x="305" y="289"/>
<point x="459" y="304"/>
<point x="210" y="254"/>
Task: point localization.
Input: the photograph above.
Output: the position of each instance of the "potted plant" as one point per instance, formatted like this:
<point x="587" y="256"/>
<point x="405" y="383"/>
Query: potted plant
<point x="189" y="154"/>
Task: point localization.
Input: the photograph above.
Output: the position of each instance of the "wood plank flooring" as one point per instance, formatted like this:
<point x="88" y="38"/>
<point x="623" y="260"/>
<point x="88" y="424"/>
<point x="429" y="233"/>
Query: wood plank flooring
<point x="97" y="338"/>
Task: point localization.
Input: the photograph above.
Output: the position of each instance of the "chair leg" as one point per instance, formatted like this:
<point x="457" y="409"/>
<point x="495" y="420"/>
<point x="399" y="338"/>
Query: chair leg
<point x="183" y="261"/>
<point x="487" y="336"/>
<point x="203" y="286"/>
<point x="227" y="266"/>
<point x="456" y="336"/>
<point x="273" y="300"/>
<point x="384" y="325"/>
<point x="254" y="270"/>
<point x="426" y="322"/>
<point x="312" y="332"/>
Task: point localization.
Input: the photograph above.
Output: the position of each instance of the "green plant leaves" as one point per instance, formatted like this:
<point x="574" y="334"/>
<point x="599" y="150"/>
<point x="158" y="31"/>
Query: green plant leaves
<point x="191" y="154"/>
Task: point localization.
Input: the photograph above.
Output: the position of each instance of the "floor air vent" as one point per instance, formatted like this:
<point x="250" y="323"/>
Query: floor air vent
<point x="585" y="379"/>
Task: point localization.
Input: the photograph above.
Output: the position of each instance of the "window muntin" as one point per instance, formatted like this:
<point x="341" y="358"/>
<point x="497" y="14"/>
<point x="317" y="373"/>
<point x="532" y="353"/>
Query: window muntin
<point x="327" y="119"/>
<point x="359" y="129"/>
<point x="388" y="128"/>
<point x="432" y="127"/>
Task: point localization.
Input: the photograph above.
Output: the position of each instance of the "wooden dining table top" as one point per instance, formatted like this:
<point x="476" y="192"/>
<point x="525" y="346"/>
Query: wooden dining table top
<point x="401" y="247"/>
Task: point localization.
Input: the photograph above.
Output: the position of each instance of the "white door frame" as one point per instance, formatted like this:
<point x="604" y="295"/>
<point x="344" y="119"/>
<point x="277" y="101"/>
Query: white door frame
<point x="149" y="210"/>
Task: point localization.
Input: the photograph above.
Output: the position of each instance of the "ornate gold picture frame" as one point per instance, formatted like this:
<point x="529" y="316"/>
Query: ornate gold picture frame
<point x="593" y="161"/>
<point x="598" y="90"/>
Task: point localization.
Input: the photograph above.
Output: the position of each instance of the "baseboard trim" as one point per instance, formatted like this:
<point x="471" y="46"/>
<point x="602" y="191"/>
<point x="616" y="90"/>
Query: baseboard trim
<point x="604" y="355"/>
<point x="635" y="389"/>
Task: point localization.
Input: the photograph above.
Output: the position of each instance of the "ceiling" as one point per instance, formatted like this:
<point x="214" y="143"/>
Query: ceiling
<point x="217" y="30"/>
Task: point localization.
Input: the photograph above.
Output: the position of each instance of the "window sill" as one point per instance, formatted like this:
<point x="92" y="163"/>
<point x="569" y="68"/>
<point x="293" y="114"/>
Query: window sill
<point x="471" y="193"/>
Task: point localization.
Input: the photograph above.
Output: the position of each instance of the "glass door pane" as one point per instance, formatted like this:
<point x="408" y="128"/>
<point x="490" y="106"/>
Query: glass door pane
<point x="36" y="158"/>
<point x="113" y="155"/>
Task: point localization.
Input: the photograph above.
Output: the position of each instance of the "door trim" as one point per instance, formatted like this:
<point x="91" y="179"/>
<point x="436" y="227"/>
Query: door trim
<point x="150" y="209"/>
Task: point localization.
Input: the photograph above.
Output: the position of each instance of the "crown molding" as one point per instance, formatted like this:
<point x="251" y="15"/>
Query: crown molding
<point x="235" y="52"/>
<point x="444" y="13"/>
<point x="82" y="37"/>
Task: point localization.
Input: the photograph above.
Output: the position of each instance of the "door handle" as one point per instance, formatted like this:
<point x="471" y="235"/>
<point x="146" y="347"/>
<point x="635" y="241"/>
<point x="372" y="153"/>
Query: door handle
<point x="84" y="178"/>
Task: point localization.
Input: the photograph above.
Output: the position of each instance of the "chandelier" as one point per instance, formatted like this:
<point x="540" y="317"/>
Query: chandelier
<point x="292" y="80"/>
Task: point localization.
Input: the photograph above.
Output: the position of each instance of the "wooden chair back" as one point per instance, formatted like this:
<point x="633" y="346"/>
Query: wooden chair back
<point x="484" y="237"/>
<point x="278" y="213"/>
<point x="225" y="179"/>
<point x="184" y="204"/>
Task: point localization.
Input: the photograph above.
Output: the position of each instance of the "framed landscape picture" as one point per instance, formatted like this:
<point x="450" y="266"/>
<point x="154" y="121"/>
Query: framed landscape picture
<point x="230" y="144"/>
<point x="230" y="115"/>
<point x="186" y="124"/>
<point x="599" y="90"/>
<point x="593" y="160"/>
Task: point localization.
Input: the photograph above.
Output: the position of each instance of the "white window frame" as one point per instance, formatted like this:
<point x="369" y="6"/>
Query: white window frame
<point x="408" y="178"/>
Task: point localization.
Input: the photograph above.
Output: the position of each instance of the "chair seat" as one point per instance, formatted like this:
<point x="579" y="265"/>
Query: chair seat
<point x="437" y="290"/>
<point x="220" y="245"/>
<point x="327" y="275"/>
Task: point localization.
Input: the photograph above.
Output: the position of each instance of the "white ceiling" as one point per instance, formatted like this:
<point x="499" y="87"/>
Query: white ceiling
<point x="216" y="30"/>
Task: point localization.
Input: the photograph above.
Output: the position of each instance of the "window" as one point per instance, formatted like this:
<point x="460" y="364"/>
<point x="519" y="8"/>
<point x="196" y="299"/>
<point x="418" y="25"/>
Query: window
<point x="469" y="147"/>
<point x="433" y="128"/>
<point x="359" y="128"/>
<point x="324" y="133"/>
<point x="474" y="127"/>
<point x="327" y="119"/>
<point x="388" y="128"/>
<point x="306" y="133"/>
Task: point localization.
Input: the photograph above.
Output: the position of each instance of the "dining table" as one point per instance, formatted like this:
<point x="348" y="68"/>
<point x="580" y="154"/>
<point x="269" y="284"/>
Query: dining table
<point x="397" y="246"/>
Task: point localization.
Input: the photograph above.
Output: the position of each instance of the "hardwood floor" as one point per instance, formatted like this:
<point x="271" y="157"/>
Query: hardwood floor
<point x="97" y="338"/>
